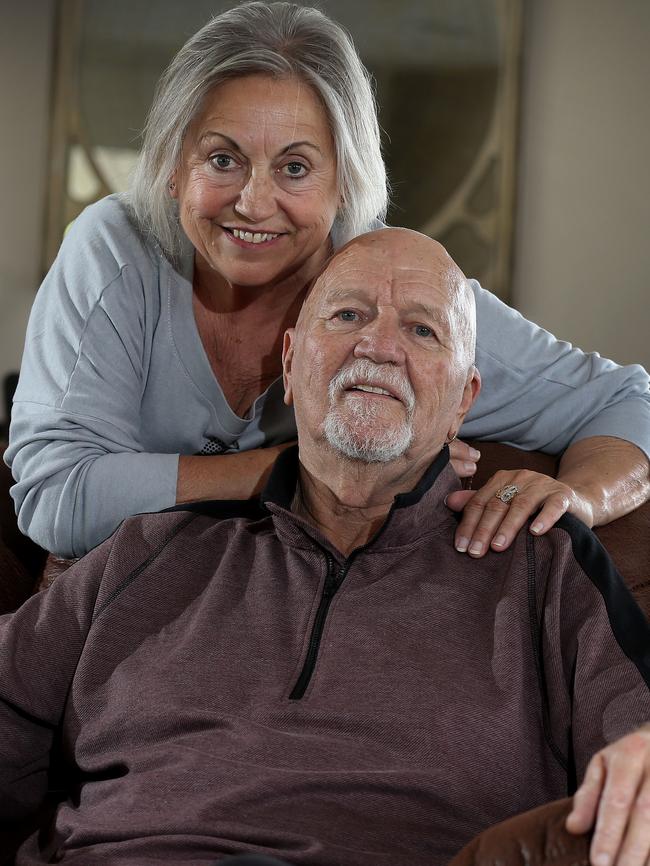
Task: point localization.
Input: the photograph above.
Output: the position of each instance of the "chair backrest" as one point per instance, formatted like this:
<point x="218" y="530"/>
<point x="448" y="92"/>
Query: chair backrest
<point x="21" y="561"/>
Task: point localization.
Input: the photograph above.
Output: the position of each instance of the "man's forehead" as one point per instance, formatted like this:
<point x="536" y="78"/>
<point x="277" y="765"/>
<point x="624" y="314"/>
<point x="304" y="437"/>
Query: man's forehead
<point x="375" y="276"/>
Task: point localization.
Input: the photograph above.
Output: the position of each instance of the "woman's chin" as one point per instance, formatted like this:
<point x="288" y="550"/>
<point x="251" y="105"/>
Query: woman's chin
<point x="263" y="265"/>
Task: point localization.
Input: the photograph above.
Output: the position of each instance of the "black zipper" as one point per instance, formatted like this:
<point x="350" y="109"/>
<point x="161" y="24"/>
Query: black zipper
<point x="333" y="580"/>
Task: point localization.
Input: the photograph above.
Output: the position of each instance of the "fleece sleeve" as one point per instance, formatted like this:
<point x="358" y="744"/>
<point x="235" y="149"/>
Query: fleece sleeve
<point x="40" y="645"/>
<point x="75" y="440"/>
<point x="543" y="394"/>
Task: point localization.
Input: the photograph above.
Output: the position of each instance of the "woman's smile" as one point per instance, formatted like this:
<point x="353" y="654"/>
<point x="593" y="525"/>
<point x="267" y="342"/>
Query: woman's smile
<point x="246" y="238"/>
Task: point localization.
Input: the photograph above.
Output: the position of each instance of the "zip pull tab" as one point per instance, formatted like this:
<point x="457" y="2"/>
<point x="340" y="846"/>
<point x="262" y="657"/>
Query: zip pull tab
<point x="340" y="575"/>
<point x="335" y="575"/>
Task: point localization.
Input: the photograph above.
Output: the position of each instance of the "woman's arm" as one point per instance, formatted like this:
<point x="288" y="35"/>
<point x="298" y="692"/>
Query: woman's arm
<point x="109" y="394"/>
<point x="229" y="476"/>
<point x="543" y="394"/>
<point x="75" y="436"/>
<point x="612" y="475"/>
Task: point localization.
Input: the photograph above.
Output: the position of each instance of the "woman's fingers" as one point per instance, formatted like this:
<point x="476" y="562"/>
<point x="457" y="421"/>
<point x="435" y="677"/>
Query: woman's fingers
<point x="463" y="458"/>
<point x="494" y="514"/>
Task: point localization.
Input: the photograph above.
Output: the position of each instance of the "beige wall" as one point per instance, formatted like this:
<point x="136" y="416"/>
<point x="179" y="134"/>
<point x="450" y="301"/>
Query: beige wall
<point x="582" y="251"/>
<point x="582" y="266"/>
<point x="25" y="61"/>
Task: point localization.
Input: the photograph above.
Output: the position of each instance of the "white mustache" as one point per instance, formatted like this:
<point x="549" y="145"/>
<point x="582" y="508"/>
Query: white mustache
<point x="366" y="372"/>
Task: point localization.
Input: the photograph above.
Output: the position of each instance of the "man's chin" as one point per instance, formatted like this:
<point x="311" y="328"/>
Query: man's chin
<point x="368" y="456"/>
<point x="367" y="446"/>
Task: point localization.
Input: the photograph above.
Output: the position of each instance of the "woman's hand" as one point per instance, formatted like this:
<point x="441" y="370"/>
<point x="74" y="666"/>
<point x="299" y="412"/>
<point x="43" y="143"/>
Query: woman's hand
<point x="490" y="523"/>
<point x="600" y="479"/>
<point x="463" y="458"/>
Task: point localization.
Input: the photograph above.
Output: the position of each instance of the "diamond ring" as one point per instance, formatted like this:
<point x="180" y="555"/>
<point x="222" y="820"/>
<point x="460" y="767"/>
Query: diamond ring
<point x="507" y="493"/>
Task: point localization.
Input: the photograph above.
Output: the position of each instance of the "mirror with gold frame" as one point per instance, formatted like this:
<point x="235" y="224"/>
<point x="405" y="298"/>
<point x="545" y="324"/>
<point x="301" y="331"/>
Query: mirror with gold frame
<point x="446" y="76"/>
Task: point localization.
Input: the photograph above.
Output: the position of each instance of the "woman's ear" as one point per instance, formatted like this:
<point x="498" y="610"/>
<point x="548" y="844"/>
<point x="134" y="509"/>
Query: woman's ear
<point x="173" y="186"/>
<point x="287" y="360"/>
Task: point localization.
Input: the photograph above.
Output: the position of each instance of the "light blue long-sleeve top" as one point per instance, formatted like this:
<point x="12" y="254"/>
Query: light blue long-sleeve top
<point x="115" y="384"/>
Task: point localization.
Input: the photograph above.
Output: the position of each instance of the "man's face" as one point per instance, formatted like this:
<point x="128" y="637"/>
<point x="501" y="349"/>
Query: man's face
<point x="379" y="364"/>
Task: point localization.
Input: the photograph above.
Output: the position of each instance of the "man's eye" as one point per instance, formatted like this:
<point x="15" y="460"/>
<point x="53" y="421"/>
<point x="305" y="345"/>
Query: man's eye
<point x="295" y="169"/>
<point x="347" y="316"/>
<point x="423" y="331"/>
<point x="222" y="161"/>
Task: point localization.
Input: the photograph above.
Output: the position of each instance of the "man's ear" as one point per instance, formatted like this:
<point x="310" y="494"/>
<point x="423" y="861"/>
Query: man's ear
<point x="470" y="392"/>
<point x="287" y="361"/>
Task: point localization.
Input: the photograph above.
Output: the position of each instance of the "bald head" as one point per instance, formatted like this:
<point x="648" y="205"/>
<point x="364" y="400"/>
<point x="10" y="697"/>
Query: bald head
<point x="380" y="363"/>
<point x="415" y="259"/>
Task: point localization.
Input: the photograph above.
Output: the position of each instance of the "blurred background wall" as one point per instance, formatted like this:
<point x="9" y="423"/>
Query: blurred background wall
<point x="581" y="258"/>
<point x="26" y="43"/>
<point x="582" y="238"/>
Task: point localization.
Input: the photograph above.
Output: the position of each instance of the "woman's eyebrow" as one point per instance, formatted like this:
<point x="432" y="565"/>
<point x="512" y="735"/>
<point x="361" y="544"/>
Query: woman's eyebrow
<point x="304" y="143"/>
<point x="212" y="133"/>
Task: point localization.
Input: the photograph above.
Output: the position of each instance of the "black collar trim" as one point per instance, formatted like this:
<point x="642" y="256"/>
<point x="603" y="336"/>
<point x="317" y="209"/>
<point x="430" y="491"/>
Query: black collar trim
<point x="281" y="486"/>
<point x="403" y="500"/>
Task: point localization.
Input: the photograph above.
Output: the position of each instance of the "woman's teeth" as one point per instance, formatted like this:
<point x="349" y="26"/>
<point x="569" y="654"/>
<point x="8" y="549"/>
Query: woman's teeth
<point x="254" y="237"/>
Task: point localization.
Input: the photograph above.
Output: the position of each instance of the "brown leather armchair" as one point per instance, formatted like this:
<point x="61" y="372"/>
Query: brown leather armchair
<point x="535" y="838"/>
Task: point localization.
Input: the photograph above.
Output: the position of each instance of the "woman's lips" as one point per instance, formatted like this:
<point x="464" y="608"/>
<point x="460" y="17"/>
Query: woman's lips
<point x="249" y="240"/>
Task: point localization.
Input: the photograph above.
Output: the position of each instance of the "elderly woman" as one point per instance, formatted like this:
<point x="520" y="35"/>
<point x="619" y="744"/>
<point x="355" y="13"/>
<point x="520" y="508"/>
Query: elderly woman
<point x="152" y="363"/>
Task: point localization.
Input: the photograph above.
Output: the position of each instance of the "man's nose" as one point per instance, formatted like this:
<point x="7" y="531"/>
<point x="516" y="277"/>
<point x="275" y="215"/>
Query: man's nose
<point x="381" y="343"/>
<point x="256" y="201"/>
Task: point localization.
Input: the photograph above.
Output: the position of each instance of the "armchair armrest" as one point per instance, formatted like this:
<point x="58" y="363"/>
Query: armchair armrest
<point x="534" y="838"/>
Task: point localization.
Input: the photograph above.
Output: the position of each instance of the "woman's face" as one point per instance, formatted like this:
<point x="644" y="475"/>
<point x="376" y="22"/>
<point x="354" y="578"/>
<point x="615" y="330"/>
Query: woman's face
<point x="257" y="188"/>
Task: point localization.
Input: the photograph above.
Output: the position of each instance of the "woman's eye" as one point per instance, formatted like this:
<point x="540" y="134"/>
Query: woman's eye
<point x="295" y="169"/>
<point x="423" y="331"/>
<point x="347" y="316"/>
<point x="222" y="161"/>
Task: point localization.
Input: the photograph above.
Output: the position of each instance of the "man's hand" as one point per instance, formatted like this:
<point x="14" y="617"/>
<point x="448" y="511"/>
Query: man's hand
<point x="615" y="797"/>
<point x="488" y="523"/>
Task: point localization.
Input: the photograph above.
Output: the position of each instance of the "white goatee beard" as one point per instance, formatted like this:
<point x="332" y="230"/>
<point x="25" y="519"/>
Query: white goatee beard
<point x="352" y="432"/>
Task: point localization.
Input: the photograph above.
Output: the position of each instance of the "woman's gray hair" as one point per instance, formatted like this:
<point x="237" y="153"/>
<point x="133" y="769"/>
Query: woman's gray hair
<point x="278" y="39"/>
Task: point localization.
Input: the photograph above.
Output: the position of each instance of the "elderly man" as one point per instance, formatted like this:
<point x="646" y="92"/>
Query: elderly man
<point x="325" y="680"/>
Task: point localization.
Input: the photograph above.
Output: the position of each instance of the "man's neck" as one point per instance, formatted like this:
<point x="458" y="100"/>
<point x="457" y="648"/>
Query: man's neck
<point x="347" y="500"/>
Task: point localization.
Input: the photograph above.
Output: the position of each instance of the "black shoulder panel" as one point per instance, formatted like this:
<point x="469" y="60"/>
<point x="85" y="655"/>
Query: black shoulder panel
<point x="224" y="509"/>
<point x="629" y="624"/>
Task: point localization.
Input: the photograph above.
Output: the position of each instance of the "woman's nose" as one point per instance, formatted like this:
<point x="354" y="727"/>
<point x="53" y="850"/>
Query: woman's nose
<point x="256" y="201"/>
